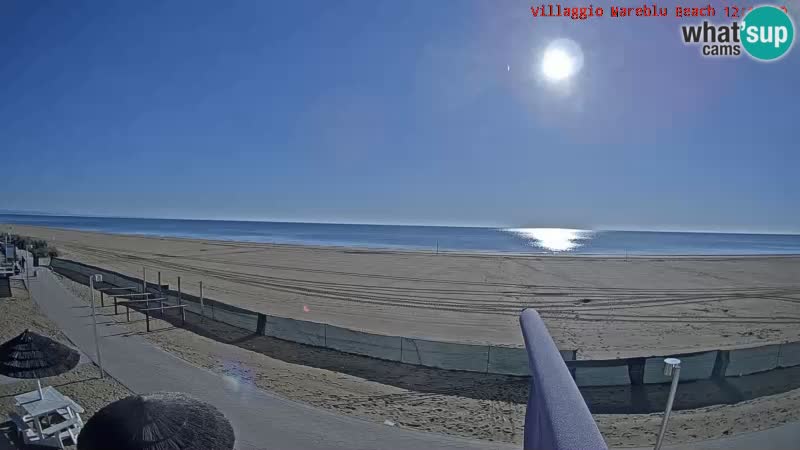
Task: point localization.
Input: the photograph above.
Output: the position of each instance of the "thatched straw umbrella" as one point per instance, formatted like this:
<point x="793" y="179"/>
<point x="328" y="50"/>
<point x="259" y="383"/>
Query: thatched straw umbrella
<point x="159" y="421"/>
<point x="31" y="355"/>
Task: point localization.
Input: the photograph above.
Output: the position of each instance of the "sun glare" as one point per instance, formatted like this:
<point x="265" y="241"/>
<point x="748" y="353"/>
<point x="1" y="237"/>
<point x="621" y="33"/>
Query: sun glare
<point x="552" y="239"/>
<point x="561" y="60"/>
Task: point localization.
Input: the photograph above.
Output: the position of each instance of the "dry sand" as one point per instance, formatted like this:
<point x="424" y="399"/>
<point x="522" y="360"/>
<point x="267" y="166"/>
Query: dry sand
<point x="82" y="384"/>
<point x="459" y="403"/>
<point x="604" y="307"/>
<point x="417" y="398"/>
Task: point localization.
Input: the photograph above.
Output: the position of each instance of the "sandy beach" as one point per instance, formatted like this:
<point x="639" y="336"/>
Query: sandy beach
<point x="604" y="307"/>
<point x="458" y="403"/>
<point x="474" y="405"/>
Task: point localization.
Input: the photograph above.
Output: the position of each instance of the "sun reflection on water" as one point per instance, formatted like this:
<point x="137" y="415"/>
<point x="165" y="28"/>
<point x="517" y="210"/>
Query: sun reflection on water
<point x="553" y="239"/>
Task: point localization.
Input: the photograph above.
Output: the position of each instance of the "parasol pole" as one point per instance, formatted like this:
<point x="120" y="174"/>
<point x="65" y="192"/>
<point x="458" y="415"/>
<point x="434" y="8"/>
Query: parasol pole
<point x="92" y="279"/>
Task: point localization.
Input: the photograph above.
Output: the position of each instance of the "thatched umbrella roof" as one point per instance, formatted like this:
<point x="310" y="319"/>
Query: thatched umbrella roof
<point x="31" y="355"/>
<point x="159" y="421"/>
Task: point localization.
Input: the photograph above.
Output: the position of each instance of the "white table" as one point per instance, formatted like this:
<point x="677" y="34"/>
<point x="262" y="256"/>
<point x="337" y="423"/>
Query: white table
<point x="36" y="408"/>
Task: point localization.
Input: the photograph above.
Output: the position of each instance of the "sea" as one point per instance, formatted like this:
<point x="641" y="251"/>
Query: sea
<point x="562" y="241"/>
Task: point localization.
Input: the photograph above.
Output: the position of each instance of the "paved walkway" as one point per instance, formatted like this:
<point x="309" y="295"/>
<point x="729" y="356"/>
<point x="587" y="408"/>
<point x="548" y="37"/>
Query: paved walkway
<point x="261" y="419"/>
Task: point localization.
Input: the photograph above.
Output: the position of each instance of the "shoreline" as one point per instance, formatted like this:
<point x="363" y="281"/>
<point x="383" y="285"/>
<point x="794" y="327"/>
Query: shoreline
<point x="422" y="250"/>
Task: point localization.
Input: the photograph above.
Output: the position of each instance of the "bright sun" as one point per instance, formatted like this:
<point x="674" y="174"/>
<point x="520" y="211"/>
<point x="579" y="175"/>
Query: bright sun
<point x="562" y="59"/>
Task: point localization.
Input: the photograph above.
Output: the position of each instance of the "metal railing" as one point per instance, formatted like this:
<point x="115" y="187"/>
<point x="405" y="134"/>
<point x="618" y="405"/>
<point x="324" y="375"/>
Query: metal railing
<point x="557" y="417"/>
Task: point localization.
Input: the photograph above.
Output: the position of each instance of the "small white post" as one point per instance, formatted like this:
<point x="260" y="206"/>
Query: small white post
<point x="672" y="366"/>
<point x="39" y="384"/>
<point x="92" y="279"/>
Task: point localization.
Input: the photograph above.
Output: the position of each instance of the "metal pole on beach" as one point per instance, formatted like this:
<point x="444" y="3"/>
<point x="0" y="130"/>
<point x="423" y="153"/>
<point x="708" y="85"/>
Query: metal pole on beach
<point x="144" y="285"/>
<point x="92" y="279"/>
<point x="202" y="305"/>
<point x="183" y="312"/>
<point x="160" y="295"/>
<point x="672" y="366"/>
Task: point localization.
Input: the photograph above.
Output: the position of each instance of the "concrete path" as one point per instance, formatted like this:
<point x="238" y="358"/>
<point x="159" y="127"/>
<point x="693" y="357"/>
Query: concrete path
<point x="261" y="420"/>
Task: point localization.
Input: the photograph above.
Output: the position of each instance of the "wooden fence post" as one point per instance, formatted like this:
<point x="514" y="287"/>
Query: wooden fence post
<point x="261" y="324"/>
<point x="202" y="304"/>
<point x="183" y="316"/>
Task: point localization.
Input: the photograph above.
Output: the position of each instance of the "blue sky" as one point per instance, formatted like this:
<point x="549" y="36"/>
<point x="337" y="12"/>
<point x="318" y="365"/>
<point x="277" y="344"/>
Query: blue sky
<point x="388" y="112"/>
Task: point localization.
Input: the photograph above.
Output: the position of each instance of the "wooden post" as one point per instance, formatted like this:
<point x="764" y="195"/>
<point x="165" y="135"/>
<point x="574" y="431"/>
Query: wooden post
<point x="144" y="287"/>
<point x="115" y="306"/>
<point x="202" y="305"/>
<point x="102" y="302"/>
<point x="147" y="319"/>
<point x="721" y="364"/>
<point x="128" y="313"/>
<point x="261" y="325"/>
<point x="183" y="317"/>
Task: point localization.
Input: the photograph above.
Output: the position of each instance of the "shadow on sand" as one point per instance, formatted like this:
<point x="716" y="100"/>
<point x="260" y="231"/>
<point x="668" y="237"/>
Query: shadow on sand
<point x="423" y="381"/>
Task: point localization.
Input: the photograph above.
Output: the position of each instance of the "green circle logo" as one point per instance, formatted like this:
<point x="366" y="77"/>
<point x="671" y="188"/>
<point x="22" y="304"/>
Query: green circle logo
<point x="767" y="33"/>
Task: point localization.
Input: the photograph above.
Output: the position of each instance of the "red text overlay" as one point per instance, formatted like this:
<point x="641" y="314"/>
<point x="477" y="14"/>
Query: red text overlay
<point x="652" y="10"/>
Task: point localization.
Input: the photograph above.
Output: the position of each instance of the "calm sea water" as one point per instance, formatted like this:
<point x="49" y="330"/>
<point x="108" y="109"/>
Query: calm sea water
<point x="518" y="240"/>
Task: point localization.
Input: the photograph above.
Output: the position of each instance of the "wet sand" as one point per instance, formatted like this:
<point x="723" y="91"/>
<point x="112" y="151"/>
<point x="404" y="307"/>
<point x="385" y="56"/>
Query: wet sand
<point x="604" y="307"/>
